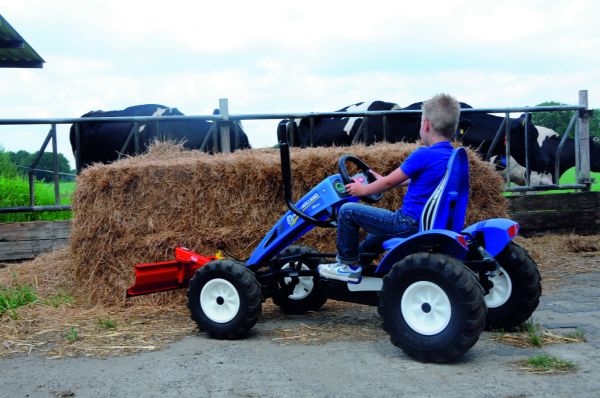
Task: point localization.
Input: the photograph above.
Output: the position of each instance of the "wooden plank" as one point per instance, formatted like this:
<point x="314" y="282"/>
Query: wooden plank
<point x="28" y="249"/>
<point x="35" y="230"/>
<point x="19" y="241"/>
<point x="557" y="213"/>
<point x="567" y="201"/>
<point x="564" y="218"/>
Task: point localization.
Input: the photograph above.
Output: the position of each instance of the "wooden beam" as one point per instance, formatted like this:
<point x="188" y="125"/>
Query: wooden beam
<point x="19" y="241"/>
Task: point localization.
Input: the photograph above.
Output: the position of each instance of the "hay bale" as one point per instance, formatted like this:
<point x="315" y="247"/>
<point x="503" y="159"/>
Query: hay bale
<point x="139" y="209"/>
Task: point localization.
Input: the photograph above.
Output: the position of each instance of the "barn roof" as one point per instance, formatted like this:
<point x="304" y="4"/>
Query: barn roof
<point x="15" y="52"/>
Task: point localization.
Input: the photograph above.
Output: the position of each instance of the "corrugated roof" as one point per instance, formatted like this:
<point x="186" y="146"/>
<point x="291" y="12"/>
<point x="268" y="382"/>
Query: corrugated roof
<point x="15" y="52"/>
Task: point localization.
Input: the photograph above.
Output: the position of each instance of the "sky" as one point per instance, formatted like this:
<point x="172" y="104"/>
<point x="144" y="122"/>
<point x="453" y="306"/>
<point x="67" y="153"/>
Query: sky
<point x="291" y="57"/>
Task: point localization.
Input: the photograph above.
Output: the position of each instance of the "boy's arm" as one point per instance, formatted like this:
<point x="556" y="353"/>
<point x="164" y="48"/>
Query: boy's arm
<point x="380" y="185"/>
<point x="378" y="176"/>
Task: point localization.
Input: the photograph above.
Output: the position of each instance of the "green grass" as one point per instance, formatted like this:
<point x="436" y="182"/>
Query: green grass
<point x="12" y="298"/>
<point x="72" y="334"/>
<point x="534" y="331"/>
<point x="548" y="364"/>
<point x="15" y="192"/>
<point x="569" y="178"/>
<point x="107" y="323"/>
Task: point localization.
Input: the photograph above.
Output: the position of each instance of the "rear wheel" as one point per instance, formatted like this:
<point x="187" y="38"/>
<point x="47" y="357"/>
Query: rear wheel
<point x="516" y="289"/>
<point x="224" y="299"/>
<point x="306" y="295"/>
<point x="432" y="307"/>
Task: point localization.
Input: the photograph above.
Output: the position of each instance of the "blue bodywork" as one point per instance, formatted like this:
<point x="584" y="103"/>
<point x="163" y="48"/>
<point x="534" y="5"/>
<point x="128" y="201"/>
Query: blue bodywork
<point x="321" y="202"/>
<point x="448" y="242"/>
<point x="494" y="234"/>
<point x="440" y="227"/>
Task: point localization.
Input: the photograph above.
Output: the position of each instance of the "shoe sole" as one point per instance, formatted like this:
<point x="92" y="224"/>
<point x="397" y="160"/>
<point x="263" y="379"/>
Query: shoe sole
<point x="338" y="277"/>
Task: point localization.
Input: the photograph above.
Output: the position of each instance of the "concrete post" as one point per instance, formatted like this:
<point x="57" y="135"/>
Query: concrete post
<point x="225" y="128"/>
<point x="584" y="141"/>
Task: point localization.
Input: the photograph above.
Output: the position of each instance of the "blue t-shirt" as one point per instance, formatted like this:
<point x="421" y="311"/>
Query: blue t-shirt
<point x="426" y="167"/>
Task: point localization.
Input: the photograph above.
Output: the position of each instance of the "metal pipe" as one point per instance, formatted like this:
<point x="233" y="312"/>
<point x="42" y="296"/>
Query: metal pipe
<point x="55" y="166"/>
<point x="33" y="165"/>
<point x="136" y="139"/>
<point x="560" y="148"/>
<point x="507" y="150"/>
<point x="275" y="115"/>
<point x="134" y="127"/>
<point x="488" y="154"/>
<point x="208" y="136"/>
<point x="545" y="187"/>
<point x="77" y="148"/>
<point x="23" y="209"/>
<point x="527" y="171"/>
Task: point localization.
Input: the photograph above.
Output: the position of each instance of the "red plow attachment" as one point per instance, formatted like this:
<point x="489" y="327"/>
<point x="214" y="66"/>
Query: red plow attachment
<point x="168" y="275"/>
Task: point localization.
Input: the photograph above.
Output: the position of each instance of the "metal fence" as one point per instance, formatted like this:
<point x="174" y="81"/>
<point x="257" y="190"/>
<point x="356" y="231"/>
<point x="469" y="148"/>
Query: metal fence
<point x="223" y="121"/>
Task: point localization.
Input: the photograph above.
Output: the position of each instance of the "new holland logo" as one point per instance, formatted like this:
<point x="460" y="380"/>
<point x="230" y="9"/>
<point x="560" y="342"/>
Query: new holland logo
<point x="292" y="218"/>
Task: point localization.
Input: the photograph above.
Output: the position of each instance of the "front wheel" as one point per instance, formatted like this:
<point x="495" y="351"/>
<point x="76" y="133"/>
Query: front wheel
<point x="306" y="295"/>
<point x="224" y="299"/>
<point x="432" y="307"/>
<point x="516" y="289"/>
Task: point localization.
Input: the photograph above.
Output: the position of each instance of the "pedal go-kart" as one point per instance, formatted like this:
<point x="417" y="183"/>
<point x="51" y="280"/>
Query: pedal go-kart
<point x="436" y="290"/>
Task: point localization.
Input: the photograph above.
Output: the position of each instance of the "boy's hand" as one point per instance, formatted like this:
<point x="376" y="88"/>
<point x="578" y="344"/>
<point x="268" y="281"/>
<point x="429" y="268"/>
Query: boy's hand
<point x="355" y="189"/>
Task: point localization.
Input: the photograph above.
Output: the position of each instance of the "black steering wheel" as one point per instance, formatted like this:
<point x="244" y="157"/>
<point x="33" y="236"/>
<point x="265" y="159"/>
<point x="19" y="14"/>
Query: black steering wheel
<point x="365" y="172"/>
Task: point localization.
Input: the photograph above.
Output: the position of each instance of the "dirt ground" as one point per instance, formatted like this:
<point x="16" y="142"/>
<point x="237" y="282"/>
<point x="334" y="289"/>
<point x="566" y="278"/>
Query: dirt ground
<point x="338" y="351"/>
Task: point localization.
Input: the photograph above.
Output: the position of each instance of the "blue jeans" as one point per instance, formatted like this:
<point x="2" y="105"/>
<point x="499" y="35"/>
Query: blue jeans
<point x="380" y="224"/>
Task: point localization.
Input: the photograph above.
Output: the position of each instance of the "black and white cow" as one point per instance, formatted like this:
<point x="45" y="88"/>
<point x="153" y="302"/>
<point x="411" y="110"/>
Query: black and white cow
<point x="476" y="130"/>
<point x="103" y="141"/>
<point x="343" y="131"/>
<point x="550" y="141"/>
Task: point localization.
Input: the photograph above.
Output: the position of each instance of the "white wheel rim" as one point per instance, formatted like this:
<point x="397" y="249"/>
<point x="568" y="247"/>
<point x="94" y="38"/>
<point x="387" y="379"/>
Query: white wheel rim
<point x="220" y="300"/>
<point x="426" y="308"/>
<point x="304" y="286"/>
<point x="501" y="291"/>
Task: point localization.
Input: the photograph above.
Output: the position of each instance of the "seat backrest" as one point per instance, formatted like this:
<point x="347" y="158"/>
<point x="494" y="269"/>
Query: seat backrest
<point x="447" y="206"/>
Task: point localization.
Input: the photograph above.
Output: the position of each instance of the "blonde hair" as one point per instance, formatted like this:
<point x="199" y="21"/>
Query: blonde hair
<point x="443" y="112"/>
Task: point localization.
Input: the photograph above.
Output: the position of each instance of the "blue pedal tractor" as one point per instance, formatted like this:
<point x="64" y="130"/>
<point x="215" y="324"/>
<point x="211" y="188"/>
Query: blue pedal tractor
<point x="436" y="290"/>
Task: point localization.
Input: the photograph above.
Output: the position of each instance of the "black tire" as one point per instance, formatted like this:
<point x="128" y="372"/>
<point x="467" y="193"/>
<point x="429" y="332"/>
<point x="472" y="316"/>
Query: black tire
<point x="517" y="289"/>
<point x="421" y="286"/>
<point x="224" y="299"/>
<point x="307" y="295"/>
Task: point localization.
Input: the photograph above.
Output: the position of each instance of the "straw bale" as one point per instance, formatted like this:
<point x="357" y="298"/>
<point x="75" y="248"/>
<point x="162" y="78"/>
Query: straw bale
<point x="140" y="208"/>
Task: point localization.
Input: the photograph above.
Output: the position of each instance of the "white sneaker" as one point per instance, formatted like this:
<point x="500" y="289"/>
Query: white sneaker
<point x="341" y="272"/>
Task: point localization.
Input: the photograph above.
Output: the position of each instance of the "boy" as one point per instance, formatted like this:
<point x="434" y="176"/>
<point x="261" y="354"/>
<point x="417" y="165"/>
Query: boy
<point x="422" y="170"/>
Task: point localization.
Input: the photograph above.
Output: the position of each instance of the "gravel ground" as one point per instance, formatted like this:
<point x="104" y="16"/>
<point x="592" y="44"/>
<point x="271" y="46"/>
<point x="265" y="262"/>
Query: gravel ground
<point x="263" y="366"/>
